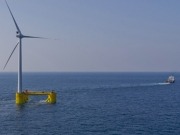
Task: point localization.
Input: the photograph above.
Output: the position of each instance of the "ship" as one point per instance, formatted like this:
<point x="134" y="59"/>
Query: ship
<point x="171" y="79"/>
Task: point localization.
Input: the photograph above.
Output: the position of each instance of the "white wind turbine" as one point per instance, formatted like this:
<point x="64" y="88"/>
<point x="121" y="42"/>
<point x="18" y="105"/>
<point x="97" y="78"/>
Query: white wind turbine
<point x="20" y="36"/>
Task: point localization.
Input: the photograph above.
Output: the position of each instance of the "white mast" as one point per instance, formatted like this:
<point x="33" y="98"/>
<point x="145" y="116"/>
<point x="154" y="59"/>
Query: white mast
<point x="20" y="67"/>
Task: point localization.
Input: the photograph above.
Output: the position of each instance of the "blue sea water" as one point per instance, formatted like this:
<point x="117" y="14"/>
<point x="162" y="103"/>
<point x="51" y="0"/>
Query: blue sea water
<point x="92" y="104"/>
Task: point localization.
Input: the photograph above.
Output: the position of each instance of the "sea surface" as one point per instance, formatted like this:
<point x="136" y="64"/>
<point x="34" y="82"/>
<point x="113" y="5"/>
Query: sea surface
<point x="92" y="104"/>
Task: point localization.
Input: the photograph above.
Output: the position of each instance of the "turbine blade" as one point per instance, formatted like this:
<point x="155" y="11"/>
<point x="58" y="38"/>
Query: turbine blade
<point x="39" y="37"/>
<point x="13" y="18"/>
<point x="34" y="37"/>
<point x="10" y="55"/>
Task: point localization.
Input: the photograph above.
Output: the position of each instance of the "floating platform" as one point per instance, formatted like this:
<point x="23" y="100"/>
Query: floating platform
<point x="23" y="97"/>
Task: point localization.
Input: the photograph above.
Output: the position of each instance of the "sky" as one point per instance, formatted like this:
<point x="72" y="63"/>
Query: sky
<point x="93" y="35"/>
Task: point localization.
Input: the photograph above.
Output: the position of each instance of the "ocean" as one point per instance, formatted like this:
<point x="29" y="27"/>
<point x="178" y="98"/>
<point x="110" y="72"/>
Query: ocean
<point x="92" y="104"/>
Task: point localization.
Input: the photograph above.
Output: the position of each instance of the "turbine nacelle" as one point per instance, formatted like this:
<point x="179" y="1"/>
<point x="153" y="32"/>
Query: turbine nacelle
<point x="18" y="34"/>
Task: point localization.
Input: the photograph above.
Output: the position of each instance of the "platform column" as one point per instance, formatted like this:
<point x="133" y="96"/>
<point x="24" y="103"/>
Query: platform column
<point x="51" y="98"/>
<point x="21" y="98"/>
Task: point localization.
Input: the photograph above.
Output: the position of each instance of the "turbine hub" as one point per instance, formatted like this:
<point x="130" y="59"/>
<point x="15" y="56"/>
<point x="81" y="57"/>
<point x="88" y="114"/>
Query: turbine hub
<point x="18" y="34"/>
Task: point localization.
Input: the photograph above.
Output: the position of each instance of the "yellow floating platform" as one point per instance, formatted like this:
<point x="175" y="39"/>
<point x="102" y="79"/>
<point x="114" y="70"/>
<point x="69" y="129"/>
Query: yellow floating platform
<point x="23" y="97"/>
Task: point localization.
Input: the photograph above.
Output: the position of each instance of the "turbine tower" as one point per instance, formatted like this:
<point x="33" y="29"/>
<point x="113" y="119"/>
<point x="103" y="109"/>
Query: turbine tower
<point x="20" y="36"/>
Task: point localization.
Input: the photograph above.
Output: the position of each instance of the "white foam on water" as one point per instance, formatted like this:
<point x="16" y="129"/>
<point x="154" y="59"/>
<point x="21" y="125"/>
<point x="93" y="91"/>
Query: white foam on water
<point x="164" y="83"/>
<point x="42" y="101"/>
<point x="144" y="84"/>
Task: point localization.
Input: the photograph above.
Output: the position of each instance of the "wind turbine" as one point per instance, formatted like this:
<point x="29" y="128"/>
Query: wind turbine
<point x="20" y="36"/>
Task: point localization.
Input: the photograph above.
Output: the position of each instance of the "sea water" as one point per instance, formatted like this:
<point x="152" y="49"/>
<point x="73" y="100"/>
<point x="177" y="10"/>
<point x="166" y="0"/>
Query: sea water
<point x="92" y="104"/>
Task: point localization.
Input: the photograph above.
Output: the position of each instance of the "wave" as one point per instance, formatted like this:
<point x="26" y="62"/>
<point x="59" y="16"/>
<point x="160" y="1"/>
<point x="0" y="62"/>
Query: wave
<point x="43" y="101"/>
<point x="163" y="83"/>
<point x="154" y="84"/>
<point x="144" y="84"/>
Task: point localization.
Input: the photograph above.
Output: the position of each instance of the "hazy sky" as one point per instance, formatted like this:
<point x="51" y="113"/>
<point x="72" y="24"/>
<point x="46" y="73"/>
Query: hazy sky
<point x="94" y="35"/>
